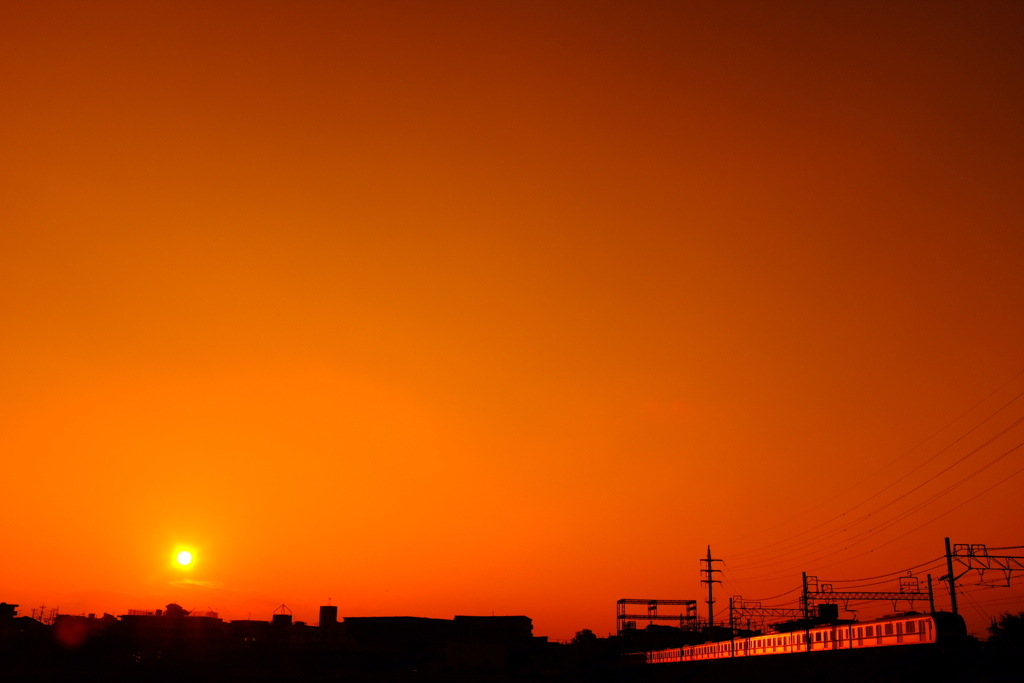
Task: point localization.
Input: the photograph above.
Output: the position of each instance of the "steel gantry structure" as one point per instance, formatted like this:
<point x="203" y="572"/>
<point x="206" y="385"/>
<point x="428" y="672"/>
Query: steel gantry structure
<point x="752" y="609"/>
<point x="909" y="591"/>
<point x="687" y="618"/>
<point x="976" y="557"/>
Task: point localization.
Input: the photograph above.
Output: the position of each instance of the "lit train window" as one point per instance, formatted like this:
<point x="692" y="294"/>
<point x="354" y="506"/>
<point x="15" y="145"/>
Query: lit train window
<point x="911" y="627"/>
<point x="870" y="631"/>
<point x="817" y="637"/>
<point x="888" y="629"/>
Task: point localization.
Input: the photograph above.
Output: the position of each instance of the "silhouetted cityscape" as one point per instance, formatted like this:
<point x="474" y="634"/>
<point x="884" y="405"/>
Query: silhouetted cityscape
<point x="172" y="638"/>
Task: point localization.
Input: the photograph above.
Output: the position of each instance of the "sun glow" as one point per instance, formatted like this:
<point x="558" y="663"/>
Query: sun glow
<point x="183" y="558"/>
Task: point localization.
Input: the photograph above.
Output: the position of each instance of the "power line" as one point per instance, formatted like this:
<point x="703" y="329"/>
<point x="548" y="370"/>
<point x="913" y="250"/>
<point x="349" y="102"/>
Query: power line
<point x="935" y="497"/>
<point x="890" y="464"/>
<point x="882" y="576"/>
<point x="969" y="454"/>
<point x="907" y="513"/>
<point x="782" y="551"/>
<point x="935" y="519"/>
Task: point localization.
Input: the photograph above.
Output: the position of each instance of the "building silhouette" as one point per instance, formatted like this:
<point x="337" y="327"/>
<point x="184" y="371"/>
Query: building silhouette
<point x="174" y="639"/>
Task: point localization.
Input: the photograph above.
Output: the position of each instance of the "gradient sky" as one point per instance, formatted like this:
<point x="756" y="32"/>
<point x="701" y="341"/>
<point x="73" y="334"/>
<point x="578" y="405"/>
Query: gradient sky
<point x="505" y="307"/>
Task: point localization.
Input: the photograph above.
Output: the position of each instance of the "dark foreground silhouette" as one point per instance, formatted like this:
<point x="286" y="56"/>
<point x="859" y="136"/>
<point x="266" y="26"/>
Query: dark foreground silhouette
<point x="173" y="645"/>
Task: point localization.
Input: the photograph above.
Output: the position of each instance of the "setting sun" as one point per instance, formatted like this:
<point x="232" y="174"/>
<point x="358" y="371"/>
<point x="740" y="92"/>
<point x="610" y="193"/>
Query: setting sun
<point x="184" y="558"/>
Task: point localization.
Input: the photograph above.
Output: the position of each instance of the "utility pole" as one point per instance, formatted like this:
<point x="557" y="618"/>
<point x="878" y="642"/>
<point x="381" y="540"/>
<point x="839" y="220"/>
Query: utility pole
<point x="732" y="630"/>
<point x="807" y="606"/>
<point x="950" y="576"/>
<point x="710" y="581"/>
<point x="807" y="614"/>
<point x="931" y="596"/>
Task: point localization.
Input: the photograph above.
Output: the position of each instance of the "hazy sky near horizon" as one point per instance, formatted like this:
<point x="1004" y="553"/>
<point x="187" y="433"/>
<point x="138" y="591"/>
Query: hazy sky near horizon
<point x="514" y="307"/>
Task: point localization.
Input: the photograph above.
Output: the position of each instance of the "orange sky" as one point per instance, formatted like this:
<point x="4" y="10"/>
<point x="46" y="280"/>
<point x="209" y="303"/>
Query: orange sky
<point x="514" y="307"/>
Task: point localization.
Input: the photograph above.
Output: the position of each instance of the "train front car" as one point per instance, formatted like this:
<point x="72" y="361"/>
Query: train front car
<point x="949" y="626"/>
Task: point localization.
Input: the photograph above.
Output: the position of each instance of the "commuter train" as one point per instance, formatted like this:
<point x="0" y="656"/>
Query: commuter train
<point x="906" y="629"/>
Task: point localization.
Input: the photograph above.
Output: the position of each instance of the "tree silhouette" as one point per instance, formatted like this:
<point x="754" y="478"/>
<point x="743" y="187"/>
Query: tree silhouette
<point x="1008" y="633"/>
<point x="584" y="637"/>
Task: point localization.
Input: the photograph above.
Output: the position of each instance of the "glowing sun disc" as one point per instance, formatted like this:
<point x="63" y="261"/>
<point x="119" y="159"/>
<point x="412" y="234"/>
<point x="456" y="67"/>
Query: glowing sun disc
<point x="184" y="558"/>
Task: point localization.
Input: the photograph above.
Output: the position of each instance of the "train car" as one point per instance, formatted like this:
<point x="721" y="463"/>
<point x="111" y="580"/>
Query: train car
<point x="904" y="629"/>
